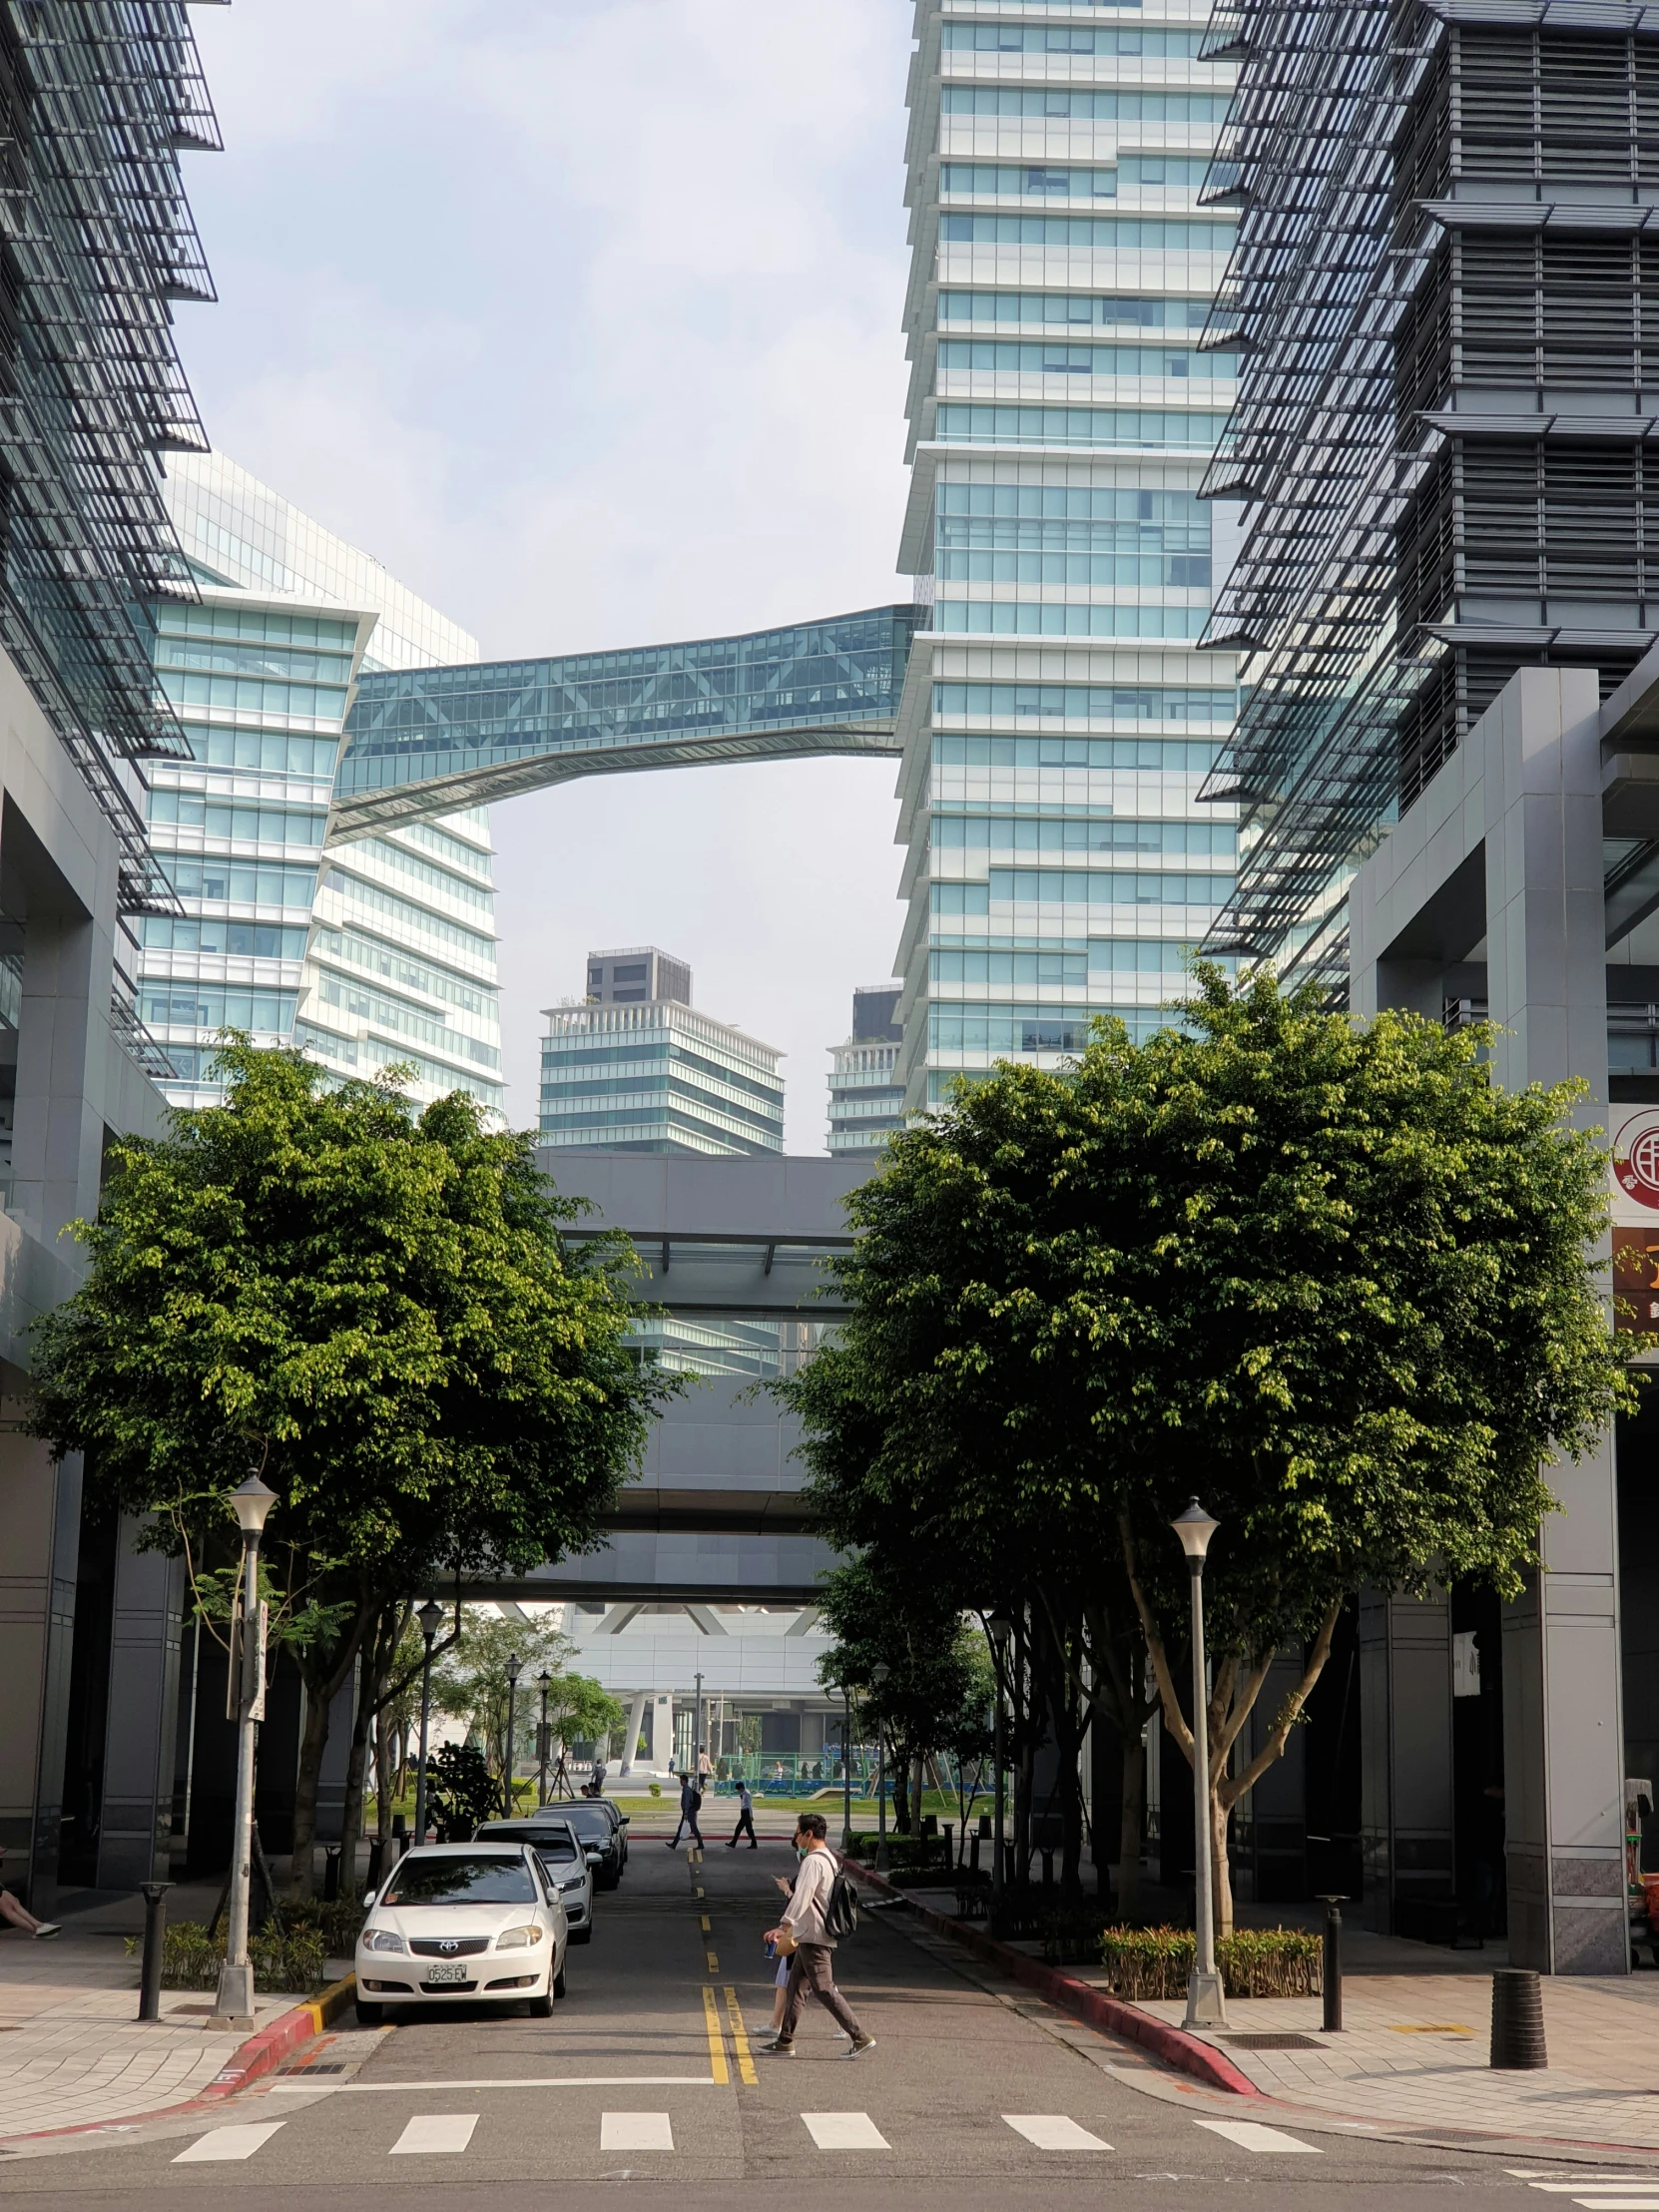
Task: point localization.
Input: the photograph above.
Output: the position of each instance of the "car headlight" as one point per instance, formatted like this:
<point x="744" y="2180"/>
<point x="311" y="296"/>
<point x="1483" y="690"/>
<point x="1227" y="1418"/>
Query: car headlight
<point x="571" y="1882"/>
<point x="520" y="1939"/>
<point x="382" y="1938"/>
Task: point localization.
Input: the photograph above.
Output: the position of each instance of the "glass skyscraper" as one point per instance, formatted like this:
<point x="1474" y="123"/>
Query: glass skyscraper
<point x="1058" y="719"/>
<point x="366" y="951"/>
<point x="637" y="1068"/>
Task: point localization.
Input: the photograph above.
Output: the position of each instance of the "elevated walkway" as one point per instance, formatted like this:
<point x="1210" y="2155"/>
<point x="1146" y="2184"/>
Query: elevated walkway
<point x="421" y="742"/>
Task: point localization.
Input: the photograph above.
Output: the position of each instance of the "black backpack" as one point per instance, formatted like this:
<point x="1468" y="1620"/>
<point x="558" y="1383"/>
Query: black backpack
<point x="840" y="1915"/>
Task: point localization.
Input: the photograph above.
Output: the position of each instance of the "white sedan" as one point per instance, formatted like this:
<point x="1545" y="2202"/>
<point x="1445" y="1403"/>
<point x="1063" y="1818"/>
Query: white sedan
<point x="462" y="1923"/>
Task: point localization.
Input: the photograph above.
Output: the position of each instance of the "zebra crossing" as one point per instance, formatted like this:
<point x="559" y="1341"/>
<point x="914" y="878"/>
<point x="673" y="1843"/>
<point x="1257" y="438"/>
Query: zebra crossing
<point x="1608" y="2192"/>
<point x="440" y="2134"/>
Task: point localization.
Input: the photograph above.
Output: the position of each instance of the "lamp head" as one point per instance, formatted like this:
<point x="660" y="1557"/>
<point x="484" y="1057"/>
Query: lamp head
<point x="430" y="1618"/>
<point x="879" y="1673"/>
<point x="546" y="1681"/>
<point x="1001" y="1630"/>
<point x="250" y="1501"/>
<point x="1195" y="1528"/>
<point x="515" y="1666"/>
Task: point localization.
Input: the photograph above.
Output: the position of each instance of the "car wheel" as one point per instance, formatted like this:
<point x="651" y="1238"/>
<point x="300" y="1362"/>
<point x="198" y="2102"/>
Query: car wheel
<point x="541" y="2008"/>
<point x="559" y="1980"/>
<point x="371" y="2015"/>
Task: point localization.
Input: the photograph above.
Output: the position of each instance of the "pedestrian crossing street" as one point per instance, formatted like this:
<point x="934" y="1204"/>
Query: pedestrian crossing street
<point x="1604" y="2192"/>
<point x="436" y="2134"/>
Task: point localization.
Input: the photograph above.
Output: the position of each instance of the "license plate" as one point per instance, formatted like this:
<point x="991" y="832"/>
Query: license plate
<point x="447" y="1974"/>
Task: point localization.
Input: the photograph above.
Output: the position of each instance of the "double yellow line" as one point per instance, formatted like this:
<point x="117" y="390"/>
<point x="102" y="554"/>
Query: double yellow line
<point x="718" y="2066"/>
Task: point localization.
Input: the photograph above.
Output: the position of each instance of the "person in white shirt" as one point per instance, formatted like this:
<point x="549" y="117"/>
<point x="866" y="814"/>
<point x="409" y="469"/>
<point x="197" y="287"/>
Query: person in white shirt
<point x="746" y="1818"/>
<point x="811" y="1967"/>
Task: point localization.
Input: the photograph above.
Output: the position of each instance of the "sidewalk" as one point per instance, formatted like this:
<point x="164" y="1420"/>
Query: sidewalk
<point x="72" y="2051"/>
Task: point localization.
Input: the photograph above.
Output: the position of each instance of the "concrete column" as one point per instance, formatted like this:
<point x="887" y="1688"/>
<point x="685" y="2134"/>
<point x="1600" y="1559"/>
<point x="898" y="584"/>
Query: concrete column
<point x="40" y="1517"/>
<point x="1406" y="1795"/>
<point x="336" y="1760"/>
<point x="141" y="1738"/>
<point x="636" y="1721"/>
<point x="56" y="1136"/>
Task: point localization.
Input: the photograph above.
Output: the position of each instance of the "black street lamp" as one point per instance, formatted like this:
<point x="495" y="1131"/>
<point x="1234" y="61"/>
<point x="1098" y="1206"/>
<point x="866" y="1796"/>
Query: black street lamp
<point x="431" y="1620"/>
<point x="879" y="1675"/>
<point x="233" y="2007"/>
<point x="515" y="1667"/>
<point x="1206" y="2002"/>
<point x="1001" y="1632"/>
<point x="543" y="1744"/>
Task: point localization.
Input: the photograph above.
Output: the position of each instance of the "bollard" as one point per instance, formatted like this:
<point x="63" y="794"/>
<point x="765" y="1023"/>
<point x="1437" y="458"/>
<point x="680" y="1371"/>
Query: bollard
<point x="1332" y="1965"/>
<point x="155" y="1932"/>
<point x="1048" y="1869"/>
<point x="973" y="1852"/>
<point x="331" y="1873"/>
<point x="984" y="1827"/>
<point x="1517" y="2019"/>
<point x="399" y="1836"/>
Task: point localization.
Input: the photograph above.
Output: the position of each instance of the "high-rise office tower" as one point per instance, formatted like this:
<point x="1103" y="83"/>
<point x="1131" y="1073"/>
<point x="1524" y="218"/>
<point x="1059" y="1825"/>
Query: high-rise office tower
<point x="370" y="951"/>
<point x="867" y="1094"/>
<point x="638" y="1068"/>
<point x="1448" y="301"/>
<point x="1058" y="720"/>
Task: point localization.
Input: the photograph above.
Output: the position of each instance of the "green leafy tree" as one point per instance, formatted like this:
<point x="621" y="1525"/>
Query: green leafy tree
<point x="472" y="1685"/>
<point x="1327" y="1273"/>
<point x="377" y="1305"/>
<point x="460" y="1789"/>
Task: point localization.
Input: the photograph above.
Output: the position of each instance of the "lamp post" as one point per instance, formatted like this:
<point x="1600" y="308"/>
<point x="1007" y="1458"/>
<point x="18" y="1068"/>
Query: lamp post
<point x="697" y="1737"/>
<point x="1001" y="1631"/>
<point x="879" y="1675"/>
<point x="515" y="1667"/>
<point x="543" y="1743"/>
<point x="233" y="2007"/>
<point x="1206" y="2004"/>
<point x="430" y="1618"/>
<point x="847" y="1767"/>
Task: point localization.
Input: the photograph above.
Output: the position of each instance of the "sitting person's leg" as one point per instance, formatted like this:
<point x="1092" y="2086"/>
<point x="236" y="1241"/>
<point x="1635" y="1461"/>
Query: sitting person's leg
<point x="18" y="1916"/>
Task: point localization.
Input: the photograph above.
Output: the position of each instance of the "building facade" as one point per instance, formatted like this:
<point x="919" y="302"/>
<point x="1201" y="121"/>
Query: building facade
<point x="369" y="951"/>
<point x="866" y="1096"/>
<point x="625" y="1073"/>
<point x="1058" y="719"/>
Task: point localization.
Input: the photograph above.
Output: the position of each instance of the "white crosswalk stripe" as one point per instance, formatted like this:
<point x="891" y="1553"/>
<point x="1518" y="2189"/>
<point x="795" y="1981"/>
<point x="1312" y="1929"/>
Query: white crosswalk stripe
<point x="435" y="2132"/>
<point x="228" y="2142"/>
<point x="1053" y="2131"/>
<point x="1253" y="2135"/>
<point x="845" y="2131"/>
<point x="635" y="2131"/>
<point x="1598" y="2185"/>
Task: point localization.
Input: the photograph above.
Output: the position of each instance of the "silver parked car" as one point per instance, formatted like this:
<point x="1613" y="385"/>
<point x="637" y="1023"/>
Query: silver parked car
<point x="462" y="1923"/>
<point x="567" y="1863"/>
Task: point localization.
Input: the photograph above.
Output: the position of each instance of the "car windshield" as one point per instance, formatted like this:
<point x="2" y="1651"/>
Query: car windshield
<point x="588" y="1820"/>
<point x="470" y="1877"/>
<point x="554" y="1845"/>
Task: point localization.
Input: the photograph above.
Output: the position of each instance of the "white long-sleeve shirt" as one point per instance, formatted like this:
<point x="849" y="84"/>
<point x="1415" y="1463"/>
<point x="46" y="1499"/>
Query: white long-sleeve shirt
<point x="809" y="1898"/>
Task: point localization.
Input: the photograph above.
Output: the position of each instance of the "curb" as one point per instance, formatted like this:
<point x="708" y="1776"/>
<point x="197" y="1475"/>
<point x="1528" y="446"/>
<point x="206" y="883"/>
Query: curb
<point x="261" y="2052"/>
<point x="1172" y="2046"/>
<point x="287" y="2032"/>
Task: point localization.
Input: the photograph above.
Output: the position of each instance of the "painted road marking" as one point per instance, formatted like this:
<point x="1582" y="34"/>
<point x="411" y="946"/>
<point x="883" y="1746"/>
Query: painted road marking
<point x="435" y="2132"/>
<point x="845" y="2131"/>
<point x="1625" y="2183"/>
<point x="228" y="2142"/>
<point x="717" y="2044"/>
<point x="519" y="2081"/>
<point x="1053" y="2131"/>
<point x="1252" y="2135"/>
<point x="635" y="2131"/>
<point x="703" y="1922"/>
<point x="740" y="2040"/>
<point x="713" y="1962"/>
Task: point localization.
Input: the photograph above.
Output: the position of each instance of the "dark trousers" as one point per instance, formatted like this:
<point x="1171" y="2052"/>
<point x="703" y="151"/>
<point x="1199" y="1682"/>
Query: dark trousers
<point x="691" y="1819"/>
<point x="745" y="1826"/>
<point x="813" y="1967"/>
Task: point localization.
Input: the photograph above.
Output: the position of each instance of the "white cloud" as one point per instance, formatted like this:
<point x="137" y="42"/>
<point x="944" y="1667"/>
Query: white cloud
<point x="583" y="317"/>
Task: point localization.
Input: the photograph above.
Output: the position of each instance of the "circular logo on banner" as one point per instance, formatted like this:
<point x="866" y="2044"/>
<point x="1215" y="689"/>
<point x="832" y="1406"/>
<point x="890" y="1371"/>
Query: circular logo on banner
<point x="1636" y="1158"/>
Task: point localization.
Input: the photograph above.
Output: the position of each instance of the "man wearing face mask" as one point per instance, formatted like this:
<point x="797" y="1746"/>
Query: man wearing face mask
<point x="803" y="1922"/>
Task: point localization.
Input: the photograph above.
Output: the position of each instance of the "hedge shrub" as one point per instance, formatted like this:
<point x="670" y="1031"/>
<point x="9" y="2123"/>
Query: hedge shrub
<point x="1253" y="1962"/>
<point x="284" y="1959"/>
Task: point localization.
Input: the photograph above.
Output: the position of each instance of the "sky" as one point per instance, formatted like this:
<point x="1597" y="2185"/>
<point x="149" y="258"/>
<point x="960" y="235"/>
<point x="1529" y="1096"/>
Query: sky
<point x="584" y="317"/>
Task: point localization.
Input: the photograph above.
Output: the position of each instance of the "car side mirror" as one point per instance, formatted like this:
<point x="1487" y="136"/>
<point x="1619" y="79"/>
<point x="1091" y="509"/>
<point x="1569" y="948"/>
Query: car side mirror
<point x="594" y="1857"/>
<point x="624" y="1820"/>
<point x="369" y="1898"/>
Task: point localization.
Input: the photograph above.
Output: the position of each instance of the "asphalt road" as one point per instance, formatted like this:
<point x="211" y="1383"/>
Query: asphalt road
<point x="976" y="2096"/>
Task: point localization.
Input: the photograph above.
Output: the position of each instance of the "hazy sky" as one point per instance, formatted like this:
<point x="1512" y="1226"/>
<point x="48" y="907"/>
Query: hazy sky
<point x="583" y="316"/>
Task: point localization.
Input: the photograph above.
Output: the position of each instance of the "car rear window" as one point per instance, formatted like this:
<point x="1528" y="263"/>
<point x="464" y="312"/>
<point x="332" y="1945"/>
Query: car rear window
<point x="590" y="1821"/>
<point x="547" y="1842"/>
<point x="477" y="1877"/>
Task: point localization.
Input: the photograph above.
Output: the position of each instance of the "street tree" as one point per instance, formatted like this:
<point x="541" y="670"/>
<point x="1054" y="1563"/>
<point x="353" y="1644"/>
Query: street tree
<point x="472" y="1684"/>
<point x="379" y="1305"/>
<point x="1327" y="1273"/>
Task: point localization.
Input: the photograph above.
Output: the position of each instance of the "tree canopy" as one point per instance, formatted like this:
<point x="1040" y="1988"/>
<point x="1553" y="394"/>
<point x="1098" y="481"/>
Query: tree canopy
<point x="378" y="1307"/>
<point x="1327" y="1273"/>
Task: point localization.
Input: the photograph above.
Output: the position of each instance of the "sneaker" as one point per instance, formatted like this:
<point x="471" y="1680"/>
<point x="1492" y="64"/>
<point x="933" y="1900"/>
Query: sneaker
<point x="669" y="1841"/>
<point x="48" y="1927"/>
<point x="777" y="2048"/>
<point x="860" y="2044"/>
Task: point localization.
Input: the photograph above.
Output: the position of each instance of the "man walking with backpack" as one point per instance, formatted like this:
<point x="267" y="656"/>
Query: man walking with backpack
<point x="820" y="1909"/>
<point x="690" y="1804"/>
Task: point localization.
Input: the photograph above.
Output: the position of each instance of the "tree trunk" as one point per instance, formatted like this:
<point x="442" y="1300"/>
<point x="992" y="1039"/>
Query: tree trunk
<point x="901" y="1796"/>
<point x="1221" y="1872"/>
<point x="352" y="1812"/>
<point x="1131" y="1821"/>
<point x="322" y="1686"/>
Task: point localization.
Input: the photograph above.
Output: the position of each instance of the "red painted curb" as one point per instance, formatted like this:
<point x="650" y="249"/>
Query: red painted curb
<point x="1189" y="2053"/>
<point x="263" y="2051"/>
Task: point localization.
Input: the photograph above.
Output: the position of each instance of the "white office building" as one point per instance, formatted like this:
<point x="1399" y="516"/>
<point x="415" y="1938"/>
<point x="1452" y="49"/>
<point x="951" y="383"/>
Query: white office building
<point x="1058" y="719"/>
<point x="867" y="1092"/>
<point x="367" y="953"/>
